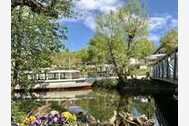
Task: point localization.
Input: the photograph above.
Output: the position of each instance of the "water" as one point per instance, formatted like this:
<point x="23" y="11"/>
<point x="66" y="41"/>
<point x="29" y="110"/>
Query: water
<point x="101" y="104"/>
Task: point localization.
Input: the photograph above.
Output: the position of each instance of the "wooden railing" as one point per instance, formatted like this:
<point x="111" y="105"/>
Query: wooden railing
<point x="166" y="68"/>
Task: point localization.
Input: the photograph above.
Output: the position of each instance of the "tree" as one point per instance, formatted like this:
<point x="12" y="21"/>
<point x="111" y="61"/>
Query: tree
<point x="133" y="18"/>
<point x="34" y="36"/>
<point x="97" y="50"/>
<point x="170" y="40"/>
<point x="66" y="60"/>
<point x="143" y="48"/>
<point x="108" y="28"/>
<point x="120" y="30"/>
<point x="83" y="54"/>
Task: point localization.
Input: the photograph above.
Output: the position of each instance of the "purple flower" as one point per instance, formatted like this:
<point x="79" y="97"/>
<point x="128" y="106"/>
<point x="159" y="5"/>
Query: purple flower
<point x="55" y="119"/>
<point x="43" y="118"/>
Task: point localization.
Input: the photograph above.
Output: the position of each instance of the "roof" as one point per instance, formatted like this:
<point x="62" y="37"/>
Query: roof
<point x="155" y="56"/>
<point x="159" y="50"/>
<point x="58" y="71"/>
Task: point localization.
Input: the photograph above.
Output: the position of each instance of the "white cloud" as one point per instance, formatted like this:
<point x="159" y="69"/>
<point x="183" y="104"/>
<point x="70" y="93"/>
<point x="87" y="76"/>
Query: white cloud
<point x="159" y="25"/>
<point x="90" y="22"/>
<point x="99" y="5"/>
<point x="87" y="10"/>
<point x="162" y="22"/>
<point x="156" y="22"/>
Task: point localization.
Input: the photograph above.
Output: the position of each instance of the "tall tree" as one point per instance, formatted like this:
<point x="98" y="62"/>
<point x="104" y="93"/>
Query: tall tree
<point x="133" y="18"/>
<point x="170" y="40"/>
<point x="108" y="27"/>
<point x="34" y="36"/>
<point x="121" y="29"/>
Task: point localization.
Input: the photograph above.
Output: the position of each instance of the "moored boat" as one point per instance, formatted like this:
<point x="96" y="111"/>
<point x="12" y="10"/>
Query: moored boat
<point x="58" y="79"/>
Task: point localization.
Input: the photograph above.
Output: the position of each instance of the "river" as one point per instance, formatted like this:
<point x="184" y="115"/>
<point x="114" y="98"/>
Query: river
<point x="100" y="103"/>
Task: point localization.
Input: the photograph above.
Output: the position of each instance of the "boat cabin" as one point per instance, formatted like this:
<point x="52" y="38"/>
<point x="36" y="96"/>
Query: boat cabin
<point x="54" y="75"/>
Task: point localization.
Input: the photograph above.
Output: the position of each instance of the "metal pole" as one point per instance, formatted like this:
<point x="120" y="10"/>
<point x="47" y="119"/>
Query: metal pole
<point x="167" y="60"/>
<point x="159" y="70"/>
<point x="162" y="65"/>
<point x="175" y="65"/>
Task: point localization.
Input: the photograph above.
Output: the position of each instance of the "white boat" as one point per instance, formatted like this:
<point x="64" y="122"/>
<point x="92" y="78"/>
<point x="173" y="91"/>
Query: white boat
<point x="52" y="79"/>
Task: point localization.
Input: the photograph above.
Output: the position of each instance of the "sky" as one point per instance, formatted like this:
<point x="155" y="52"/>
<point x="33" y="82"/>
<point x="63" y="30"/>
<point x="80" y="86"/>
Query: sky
<point x="163" y="15"/>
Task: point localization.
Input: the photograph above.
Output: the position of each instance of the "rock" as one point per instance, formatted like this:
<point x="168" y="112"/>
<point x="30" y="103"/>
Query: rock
<point x="137" y="120"/>
<point x="150" y="122"/>
<point x="106" y="123"/>
<point x="91" y="120"/>
<point x="113" y="118"/>
<point x="129" y="116"/>
<point x="143" y="118"/>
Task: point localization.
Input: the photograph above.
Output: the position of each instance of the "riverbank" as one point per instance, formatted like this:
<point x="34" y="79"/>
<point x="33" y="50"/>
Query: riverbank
<point x="136" y="86"/>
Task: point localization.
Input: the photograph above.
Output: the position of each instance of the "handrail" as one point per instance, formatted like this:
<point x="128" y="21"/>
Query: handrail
<point x="167" y="55"/>
<point x="166" y="68"/>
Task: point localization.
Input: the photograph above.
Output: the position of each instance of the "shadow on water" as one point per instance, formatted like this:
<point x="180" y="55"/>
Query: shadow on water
<point x="166" y="105"/>
<point x="166" y="110"/>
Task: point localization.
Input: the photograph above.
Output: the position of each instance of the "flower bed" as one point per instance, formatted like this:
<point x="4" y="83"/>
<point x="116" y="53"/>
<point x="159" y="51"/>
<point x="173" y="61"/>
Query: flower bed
<point x="51" y="119"/>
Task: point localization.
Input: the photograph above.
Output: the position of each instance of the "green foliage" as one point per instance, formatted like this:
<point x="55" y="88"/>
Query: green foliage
<point x="138" y="72"/>
<point x="19" y="109"/>
<point x="66" y="60"/>
<point x="143" y="48"/>
<point x="106" y="84"/>
<point x="83" y="54"/>
<point x="97" y="49"/>
<point x="51" y="8"/>
<point x="170" y="40"/>
<point x="133" y="18"/>
<point x="119" y="37"/>
<point x="33" y="38"/>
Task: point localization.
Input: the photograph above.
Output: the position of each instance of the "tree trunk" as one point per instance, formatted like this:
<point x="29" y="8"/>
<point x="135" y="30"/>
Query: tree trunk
<point x="16" y="67"/>
<point x="118" y="72"/>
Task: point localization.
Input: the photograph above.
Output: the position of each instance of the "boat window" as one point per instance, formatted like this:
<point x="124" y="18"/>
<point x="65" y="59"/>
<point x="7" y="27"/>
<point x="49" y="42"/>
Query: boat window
<point x="53" y="76"/>
<point x="75" y="75"/>
<point x="67" y="75"/>
<point x="62" y="76"/>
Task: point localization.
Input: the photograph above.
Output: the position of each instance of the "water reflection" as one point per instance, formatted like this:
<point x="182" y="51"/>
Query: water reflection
<point x="103" y="105"/>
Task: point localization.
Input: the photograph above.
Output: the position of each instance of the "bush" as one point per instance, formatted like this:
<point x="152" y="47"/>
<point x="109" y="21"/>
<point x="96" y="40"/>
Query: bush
<point x="107" y="84"/>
